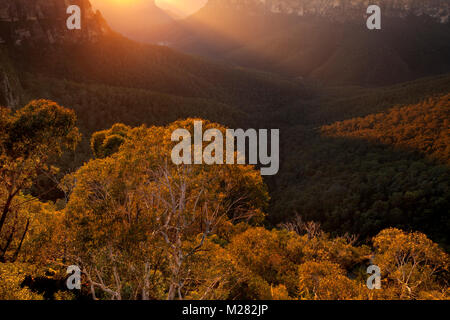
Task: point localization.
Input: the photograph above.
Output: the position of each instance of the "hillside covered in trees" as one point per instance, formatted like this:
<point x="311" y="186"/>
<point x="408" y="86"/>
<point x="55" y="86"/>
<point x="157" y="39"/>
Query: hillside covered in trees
<point x="363" y="174"/>
<point x="143" y="228"/>
<point x="321" y="40"/>
<point x="86" y="176"/>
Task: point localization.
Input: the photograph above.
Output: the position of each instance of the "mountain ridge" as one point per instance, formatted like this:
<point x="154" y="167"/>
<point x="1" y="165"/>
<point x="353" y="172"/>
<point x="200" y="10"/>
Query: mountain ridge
<point x="327" y="43"/>
<point x="133" y="20"/>
<point x="37" y="41"/>
<point x="44" y="21"/>
<point x="341" y="10"/>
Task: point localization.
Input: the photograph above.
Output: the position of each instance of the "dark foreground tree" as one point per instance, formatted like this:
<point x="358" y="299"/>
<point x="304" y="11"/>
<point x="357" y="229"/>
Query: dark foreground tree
<point x="29" y="139"/>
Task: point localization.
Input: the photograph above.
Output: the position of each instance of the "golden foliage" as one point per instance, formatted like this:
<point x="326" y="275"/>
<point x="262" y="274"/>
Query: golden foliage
<point x="11" y="277"/>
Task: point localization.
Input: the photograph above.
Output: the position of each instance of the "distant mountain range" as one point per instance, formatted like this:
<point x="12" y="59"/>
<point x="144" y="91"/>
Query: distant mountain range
<point x="340" y="10"/>
<point x="35" y="40"/>
<point x="324" y="40"/>
<point x="303" y="39"/>
<point x="133" y="19"/>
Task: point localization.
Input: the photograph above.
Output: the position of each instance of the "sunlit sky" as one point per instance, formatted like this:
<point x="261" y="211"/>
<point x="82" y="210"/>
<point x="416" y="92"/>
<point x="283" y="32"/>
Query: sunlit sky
<point x="178" y="7"/>
<point x="185" y="6"/>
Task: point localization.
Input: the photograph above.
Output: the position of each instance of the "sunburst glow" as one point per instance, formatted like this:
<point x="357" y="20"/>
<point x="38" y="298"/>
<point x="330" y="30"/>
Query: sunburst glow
<point x="184" y="7"/>
<point x="179" y="7"/>
<point x="135" y="18"/>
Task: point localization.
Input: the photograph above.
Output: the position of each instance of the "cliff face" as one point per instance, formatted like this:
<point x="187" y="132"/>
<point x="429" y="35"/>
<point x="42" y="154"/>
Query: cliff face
<point x="44" y="21"/>
<point x="10" y="88"/>
<point x="39" y="23"/>
<point x="341" y="10"/>
<point x="8" y="95"/>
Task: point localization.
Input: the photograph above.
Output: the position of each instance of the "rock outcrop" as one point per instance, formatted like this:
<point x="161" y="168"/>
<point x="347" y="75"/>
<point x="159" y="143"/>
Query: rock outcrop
<point x="8" y="95"/>
<point x="10" y="88"/>
<point x="44" y="21"/>
<point x="341" y="10"/>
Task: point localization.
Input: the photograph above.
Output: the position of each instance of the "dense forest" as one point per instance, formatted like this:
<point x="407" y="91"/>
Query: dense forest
<point x="360" y="175"/>
<point x="143" y="228"/>
<point x="354" y="178"/>
<point x="86" y="176"/>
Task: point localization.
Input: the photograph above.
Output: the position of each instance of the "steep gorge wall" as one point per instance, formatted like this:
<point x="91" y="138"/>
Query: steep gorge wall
<point x="10" y="88"/>
<point x="40" y="24"/>
<point x="341" y="9"/>
<point x="44" y="21"/>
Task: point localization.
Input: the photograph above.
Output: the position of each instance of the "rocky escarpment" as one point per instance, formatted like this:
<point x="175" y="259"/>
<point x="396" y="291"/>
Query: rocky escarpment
<point x="8" y="95"/>
<point x="39" y="25"/>
<point x="341" y="10"/>
<point x="44" y="21"/>
<point x="10" y="88"/>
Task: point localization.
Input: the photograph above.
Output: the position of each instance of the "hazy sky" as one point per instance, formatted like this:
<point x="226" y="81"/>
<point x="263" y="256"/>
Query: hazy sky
<point x="180" y="7"/>
<point x="185" y="6"/>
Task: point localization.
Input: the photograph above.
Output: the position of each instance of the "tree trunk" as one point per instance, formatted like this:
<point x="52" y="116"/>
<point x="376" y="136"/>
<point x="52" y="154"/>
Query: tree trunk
<point x="5" y="211"/>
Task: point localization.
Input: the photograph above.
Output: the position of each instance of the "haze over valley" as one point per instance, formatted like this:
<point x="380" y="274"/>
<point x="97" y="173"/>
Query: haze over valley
<point x="364" y="175"/>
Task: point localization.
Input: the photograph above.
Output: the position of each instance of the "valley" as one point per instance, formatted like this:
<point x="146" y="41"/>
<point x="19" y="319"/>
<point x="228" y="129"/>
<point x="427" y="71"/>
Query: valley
<point x="133" y="83"/>
<point x="364" y="136"/>
<point x="329" y="44"/>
